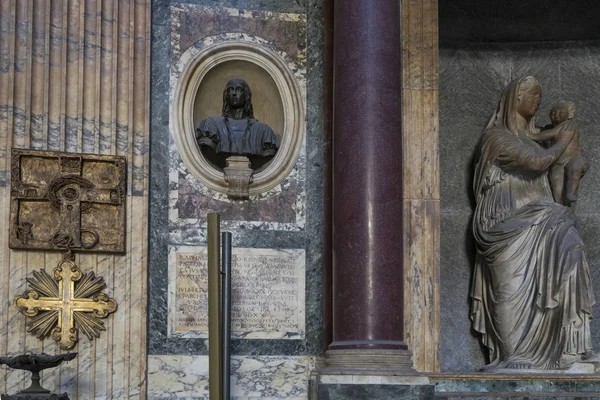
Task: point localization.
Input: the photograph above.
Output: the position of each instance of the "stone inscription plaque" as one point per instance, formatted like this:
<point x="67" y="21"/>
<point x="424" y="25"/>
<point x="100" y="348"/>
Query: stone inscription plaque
<point x="267" y="293"/>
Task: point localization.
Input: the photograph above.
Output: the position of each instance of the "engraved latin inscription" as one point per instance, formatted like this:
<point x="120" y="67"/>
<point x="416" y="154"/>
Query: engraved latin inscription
<point x="192" y="292"/>
<point x="267" y="291"/>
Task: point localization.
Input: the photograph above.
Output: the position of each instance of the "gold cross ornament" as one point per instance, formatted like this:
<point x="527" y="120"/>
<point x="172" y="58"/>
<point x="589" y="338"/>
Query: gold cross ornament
<point x="61" y="304"/>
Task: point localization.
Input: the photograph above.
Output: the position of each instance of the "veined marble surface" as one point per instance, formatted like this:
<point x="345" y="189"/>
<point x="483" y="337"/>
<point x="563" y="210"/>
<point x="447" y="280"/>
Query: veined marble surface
<point x="252" y="377"/>
<point x="74" y="77"/>
<point x="281" y="208"/>
<point x="178" y="26"/>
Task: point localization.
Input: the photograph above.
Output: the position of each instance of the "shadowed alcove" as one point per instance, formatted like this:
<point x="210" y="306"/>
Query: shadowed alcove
<point x="482" y="48"/>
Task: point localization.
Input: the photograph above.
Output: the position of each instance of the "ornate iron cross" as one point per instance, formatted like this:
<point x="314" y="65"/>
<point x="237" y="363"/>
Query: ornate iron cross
<point x="65" y="302"/>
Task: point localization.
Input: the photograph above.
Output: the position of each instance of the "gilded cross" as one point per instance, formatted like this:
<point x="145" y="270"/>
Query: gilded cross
<point x="65" y="302"/>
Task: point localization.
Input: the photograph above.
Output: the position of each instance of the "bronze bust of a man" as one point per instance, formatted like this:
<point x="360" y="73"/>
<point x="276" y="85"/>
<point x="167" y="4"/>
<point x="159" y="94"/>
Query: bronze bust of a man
<point x="236" y="132"/>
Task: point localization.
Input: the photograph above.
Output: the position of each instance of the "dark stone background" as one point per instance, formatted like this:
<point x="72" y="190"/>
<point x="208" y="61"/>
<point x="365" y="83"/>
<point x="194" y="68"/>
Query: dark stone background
<point x="472" y="77"/>
<point x="518" y="20"/>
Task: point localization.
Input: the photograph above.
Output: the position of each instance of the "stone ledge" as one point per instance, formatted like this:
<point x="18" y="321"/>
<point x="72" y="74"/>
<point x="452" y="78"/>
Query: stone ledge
<point x="491" y="386"/>
<point x="372" y="379"/>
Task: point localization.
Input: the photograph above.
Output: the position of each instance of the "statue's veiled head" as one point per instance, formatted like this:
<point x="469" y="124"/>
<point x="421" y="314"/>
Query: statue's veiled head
<point x="529" y="97"/>
<point x="237" y="96"/>
<point x="520" y="97"/>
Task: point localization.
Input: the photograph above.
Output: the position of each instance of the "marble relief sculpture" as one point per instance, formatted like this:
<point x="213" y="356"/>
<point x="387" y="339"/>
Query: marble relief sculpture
<point x="531" y="294"/>
<point x="235" y="141"/>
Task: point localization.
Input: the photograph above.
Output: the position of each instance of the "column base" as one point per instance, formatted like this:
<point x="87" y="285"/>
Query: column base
<point x="376" y="362"/>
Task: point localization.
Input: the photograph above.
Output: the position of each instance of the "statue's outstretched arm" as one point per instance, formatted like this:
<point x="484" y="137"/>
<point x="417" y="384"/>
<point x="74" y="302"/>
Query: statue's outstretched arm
<point x="517" y="156"/>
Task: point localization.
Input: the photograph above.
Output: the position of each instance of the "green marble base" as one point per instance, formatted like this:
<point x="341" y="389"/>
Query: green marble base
<point x="516" y="386"/>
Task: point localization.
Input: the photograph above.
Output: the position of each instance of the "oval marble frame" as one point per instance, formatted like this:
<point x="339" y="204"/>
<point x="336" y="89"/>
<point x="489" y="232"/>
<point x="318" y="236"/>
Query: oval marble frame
<point x="293" y="109"/>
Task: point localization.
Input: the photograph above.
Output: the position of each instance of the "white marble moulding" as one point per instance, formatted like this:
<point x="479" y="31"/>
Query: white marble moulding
<point x="194" y="64"/>
<point x="278" y="192"/>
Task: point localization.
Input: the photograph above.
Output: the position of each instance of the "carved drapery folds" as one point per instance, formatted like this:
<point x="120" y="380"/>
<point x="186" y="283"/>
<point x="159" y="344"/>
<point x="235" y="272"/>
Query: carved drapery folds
<point x="531" y="294"/>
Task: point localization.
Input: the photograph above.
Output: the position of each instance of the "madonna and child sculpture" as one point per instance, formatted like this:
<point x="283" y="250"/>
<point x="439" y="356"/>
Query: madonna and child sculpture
<point x="531" y="294"/>
<point x="235" y="141"/>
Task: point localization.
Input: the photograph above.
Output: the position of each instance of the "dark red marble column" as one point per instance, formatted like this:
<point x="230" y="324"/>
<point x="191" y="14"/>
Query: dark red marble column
<point x="367" y="177"/>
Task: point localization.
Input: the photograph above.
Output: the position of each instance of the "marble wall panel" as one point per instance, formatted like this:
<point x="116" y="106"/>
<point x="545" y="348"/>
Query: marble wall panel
<point x="287" y="217"/>
<point x="471" y="81"/>
<point x="74" y="76"/>
<point x="252" y="377"/>
<point x="193" y="29"/>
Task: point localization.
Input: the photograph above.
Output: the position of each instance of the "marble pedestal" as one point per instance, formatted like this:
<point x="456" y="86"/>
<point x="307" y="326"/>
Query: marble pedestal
<point x="325" y="386"/>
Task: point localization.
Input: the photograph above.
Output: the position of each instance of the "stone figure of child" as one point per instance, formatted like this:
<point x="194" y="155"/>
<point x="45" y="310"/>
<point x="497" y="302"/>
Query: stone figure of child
<point x="570" y="167"/>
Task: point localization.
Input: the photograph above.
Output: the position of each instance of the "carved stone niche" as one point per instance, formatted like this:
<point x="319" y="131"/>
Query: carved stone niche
<point x="65" y="201"/>
<point x="277" y="100"/>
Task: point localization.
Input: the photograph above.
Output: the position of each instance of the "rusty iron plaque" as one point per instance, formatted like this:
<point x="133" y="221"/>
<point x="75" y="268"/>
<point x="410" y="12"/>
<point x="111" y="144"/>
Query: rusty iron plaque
<point x="67" y="201"/>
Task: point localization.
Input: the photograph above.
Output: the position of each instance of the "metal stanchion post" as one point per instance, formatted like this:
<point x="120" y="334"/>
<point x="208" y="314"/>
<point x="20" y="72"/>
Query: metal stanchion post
<point x="214" y="308"/>
<point x="226" y="297"/>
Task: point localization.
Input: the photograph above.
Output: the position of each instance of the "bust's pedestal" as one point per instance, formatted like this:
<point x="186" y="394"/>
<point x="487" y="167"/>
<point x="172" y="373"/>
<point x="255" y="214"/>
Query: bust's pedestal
<point x="238" y="176"/>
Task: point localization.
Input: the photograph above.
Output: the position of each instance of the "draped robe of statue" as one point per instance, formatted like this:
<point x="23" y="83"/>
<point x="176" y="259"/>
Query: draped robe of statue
<point x="531" y="294"/>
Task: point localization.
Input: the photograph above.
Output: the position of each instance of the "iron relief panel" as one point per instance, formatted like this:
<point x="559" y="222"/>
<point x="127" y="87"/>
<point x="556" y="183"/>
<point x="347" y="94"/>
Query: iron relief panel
<point x="65" y="201"/>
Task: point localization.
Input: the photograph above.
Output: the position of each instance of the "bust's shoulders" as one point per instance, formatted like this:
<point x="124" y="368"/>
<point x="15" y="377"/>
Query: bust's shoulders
<point x="215" y="119"/>
<point x="256" y="124"/>
<point x="211" y="124"/>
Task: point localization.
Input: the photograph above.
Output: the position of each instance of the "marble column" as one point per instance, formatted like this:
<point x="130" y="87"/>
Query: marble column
<point x="367" y="191"/>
